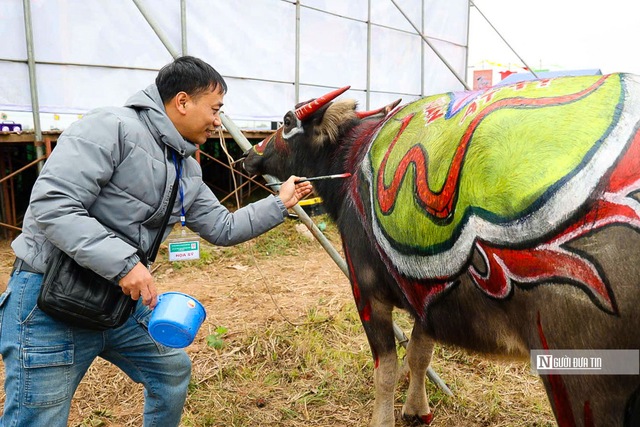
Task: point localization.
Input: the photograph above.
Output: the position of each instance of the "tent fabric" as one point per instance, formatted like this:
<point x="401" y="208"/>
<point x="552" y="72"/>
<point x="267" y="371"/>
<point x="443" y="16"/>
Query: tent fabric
<point x="82" y="47"/>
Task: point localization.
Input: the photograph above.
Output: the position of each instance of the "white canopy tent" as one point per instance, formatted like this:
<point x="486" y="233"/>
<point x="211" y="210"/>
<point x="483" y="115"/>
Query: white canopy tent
<point x="69" y="56"/>
<point x="81" y="54"/>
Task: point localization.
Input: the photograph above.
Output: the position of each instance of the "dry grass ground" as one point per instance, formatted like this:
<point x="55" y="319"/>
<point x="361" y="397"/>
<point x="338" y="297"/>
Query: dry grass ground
<point x="282" y="346"/>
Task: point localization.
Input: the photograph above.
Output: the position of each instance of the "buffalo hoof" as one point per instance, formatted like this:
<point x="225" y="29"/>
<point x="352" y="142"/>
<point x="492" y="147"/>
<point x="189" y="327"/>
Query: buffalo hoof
<point x="416" y="420"/>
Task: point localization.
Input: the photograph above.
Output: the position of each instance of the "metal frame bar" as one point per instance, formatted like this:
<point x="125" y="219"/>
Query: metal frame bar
<point x="428" y="42"/>
<point x="466" y="57"/>
<point x="422" y="51"/>
<point x="368" y="88"/>
<point x="183" y="25"/>
<point x="27" y="166"/>
<point x="156" y="28"/>
<point x="33" y="87"/>
<point x="296" y="83"/>
<point x="471" y="3"/>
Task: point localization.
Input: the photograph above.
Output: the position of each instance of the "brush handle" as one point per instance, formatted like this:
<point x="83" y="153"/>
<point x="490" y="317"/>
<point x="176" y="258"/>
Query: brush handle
<point x="314" y="178"/>
<point x="318" y="178"/>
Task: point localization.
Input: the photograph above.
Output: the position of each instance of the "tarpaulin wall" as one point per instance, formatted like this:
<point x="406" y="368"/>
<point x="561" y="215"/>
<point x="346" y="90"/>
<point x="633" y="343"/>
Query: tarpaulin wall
<point x="273" y="53"/>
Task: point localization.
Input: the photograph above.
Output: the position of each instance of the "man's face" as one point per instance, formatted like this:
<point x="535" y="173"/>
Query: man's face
<point x="202" y="116"/>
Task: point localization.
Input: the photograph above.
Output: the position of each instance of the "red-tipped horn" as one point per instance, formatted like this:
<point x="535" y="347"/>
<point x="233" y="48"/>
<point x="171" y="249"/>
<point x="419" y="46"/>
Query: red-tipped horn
<point x="313" y="106"/>
<point x="364" y="114"/>
<point x="386" y="109"/>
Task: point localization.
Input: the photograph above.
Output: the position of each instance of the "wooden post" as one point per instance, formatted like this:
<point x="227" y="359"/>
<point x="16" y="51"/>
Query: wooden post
<point x="8" y="196"/>
<point x="47" y="146"/>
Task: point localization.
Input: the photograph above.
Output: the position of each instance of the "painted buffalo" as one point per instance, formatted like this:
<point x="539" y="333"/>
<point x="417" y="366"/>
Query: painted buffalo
<point x="503" y="220"/>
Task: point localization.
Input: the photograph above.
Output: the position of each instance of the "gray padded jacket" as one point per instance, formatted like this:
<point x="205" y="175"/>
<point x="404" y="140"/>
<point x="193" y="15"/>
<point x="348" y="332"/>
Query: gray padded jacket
<point x="106" y="186"/>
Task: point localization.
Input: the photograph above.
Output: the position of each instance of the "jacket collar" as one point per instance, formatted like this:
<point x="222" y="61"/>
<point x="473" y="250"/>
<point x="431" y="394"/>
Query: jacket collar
<point x="150" y="106"/>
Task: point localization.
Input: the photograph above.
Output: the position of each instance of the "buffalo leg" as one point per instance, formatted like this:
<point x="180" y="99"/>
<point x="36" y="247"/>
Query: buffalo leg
<point x="379" y="331"/>
<point x="375" y="310"/>
<point x="419" y="351"/>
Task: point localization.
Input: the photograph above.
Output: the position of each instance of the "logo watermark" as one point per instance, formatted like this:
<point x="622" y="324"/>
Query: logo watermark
<point x="585" y="362"/>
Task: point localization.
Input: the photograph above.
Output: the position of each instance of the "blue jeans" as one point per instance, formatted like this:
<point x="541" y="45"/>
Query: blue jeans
<point x="45" y="361"/>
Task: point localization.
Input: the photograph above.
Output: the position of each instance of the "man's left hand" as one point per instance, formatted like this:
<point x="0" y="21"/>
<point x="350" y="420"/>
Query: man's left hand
<point x="292" y="192"/>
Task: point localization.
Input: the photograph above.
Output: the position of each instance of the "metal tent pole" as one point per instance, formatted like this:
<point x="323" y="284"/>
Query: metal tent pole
<point x="422" y="52"/>
<point x="31" y="63"/>
<point x="333" y="253"/>
<point x="183" y="25"/>
<point x="368" y="88"/>
<point x="154" y="25"/>
<point x="296" y="83"/>
<point x="424" y="38"/>
<point x="466" y="54"/>
<point x="503" y="39"/>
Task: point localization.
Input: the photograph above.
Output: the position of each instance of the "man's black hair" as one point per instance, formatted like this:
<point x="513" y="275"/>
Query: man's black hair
<point x="188" y="74"/>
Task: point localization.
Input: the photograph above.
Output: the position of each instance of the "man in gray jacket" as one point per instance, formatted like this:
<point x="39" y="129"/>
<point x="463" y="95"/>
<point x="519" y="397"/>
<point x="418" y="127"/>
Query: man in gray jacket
<point x="104" y="189"/>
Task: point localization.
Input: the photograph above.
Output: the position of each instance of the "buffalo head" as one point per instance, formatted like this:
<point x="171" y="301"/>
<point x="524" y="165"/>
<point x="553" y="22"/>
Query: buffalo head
<point x="310" y="133"/>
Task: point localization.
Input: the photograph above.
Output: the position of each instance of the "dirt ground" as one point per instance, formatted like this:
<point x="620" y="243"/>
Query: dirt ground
<point x="249" y="292"/>
<point x="235" y="292"/>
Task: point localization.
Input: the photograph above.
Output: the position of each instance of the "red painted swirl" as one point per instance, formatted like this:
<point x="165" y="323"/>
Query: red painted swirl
<point x="440" y="204"/>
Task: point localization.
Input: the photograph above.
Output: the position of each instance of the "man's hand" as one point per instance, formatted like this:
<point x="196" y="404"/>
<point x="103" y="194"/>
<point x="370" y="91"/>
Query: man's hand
<point x="291" y="193"/>
<point x="138" y="283"/>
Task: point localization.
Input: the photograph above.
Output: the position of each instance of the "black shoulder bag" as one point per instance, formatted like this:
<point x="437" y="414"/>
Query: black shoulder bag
<point x="80" y="297"/>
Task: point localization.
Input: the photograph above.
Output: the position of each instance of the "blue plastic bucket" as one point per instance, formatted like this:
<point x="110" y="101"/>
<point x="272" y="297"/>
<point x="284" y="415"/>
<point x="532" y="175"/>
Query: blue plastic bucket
<point x="176" y="319"/>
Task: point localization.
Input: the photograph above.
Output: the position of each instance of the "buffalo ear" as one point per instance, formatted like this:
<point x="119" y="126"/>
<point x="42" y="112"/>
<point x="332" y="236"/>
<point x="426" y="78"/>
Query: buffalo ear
<point x="334" y="117"/>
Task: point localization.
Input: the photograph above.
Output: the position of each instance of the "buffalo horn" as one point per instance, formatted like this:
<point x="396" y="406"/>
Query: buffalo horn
<point x="364" y="114"/>
<point x="385" y="110"/>
<point x="310" y="107"/>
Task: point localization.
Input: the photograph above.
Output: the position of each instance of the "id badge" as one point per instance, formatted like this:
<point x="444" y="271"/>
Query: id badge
<point x="184" y="247"/>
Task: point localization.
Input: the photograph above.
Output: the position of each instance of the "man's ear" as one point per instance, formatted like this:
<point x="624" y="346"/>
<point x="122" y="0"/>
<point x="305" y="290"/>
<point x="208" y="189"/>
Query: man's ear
<point x="180" y="102"/>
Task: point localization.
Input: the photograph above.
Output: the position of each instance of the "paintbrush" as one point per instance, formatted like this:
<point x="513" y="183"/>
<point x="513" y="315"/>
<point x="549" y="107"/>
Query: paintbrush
<point x="315" y="178"/>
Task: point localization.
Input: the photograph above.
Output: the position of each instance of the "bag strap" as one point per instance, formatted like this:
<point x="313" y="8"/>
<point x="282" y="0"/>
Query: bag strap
<point x="153" y="252"/>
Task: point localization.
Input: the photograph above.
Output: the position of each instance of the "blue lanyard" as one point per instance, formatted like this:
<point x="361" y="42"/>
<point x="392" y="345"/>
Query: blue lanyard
<point x="178" y="166"/>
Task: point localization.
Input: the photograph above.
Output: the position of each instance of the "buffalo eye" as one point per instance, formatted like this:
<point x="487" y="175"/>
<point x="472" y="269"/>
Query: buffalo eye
<point x="289" y="121"/>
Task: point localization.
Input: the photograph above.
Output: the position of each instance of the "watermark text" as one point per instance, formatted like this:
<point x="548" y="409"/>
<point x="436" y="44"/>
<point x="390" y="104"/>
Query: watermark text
<point x="585" y="362"/>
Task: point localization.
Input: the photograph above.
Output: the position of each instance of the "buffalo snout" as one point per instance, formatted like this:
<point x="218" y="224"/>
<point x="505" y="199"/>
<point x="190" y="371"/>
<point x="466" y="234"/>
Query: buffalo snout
<point x="250" y="161"/>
